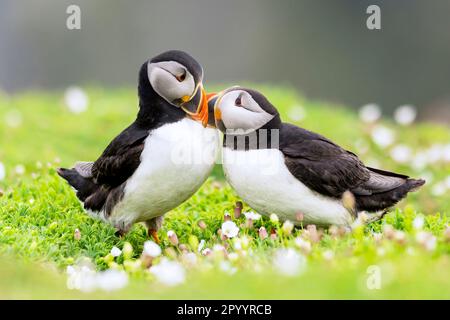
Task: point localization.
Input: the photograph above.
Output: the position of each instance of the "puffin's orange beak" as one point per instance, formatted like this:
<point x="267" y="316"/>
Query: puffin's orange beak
<point x="202" y="110"/>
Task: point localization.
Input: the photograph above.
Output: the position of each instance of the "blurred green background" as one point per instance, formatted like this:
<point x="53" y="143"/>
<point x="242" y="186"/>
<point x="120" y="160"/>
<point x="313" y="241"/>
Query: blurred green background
<point x="320" y="47"/>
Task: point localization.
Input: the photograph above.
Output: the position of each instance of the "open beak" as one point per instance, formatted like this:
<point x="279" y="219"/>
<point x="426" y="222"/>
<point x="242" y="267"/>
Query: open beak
<point x="201" y="112"/>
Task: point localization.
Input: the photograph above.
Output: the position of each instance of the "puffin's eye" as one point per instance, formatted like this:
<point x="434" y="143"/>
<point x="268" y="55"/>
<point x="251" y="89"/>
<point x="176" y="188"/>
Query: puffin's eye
<point x="181" y="77"/>
<point x="238" y="101"/>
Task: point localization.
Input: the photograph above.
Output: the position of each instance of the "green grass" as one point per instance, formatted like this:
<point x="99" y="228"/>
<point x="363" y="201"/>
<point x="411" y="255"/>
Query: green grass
<point x="39" y="213"/>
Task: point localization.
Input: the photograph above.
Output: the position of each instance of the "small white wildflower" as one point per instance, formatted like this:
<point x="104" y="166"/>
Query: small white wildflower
<point x="13" y="118"/>
<point x="81" y="278"/>
<point x="233" y="256"/>
<point x="405" y="115"/>
<point x="287" y="227"/>
<point x="76" y="99"/>
<point x="226" y="267"/>
<point x="229" y="229"/>
<point x="381" y="251"/>
<point x="370" y="113"/>
<point x="115" y="252"/>
<point x="201" y="245"/>
<point x="237" y="244"/>
<point x="274" y="218"/>
<point x="438" y="189"/>
<point x="218" y="248"/>
<point x="427" y="240"/>
<point x="151" y="249"/>
<point x="446" y="153"/>
<point x="419" y="161"/>
<point x="435" y="153"/>
<point x="112" y="280"/>
<point x="296" y="113"/>
<point x="2" y="171"/>
<point x="206" y="252"/>
<point x="401" y="153"/>
<point x="303" y="245"/>
<point x="383" y="136"/>
<point x="447" y="182"/>
<point x="418" y="222"/>
<point x="20" y="169"/>
<point x="252" y="215"/>
<point x="289" y="262"/>
<point x="328" y="255"/>
<point x="189" y="258"/>
<point x="410" y="251"/>
<point x="168" y="272"/>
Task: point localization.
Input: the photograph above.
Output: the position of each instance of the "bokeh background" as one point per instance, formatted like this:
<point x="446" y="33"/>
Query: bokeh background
<point x="321" y="48"/>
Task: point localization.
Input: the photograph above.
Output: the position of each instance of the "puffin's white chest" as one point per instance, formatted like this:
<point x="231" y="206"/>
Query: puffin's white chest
<point x="262" y="180"/>
<point x="176" y="160"/>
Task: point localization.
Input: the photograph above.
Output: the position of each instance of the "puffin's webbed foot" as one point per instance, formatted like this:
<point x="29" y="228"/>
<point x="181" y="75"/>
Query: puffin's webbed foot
<point x="153" y="226"/>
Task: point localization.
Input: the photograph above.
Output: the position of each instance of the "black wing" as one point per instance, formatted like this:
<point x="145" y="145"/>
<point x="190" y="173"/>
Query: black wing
<point x="121" y="158"/>
<point x="322" y="165"/>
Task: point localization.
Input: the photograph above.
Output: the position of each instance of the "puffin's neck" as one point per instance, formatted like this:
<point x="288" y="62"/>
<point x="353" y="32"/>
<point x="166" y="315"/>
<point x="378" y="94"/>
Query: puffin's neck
<point x="266" y="137"/>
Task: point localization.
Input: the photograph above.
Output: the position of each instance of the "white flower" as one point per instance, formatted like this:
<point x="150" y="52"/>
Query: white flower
<point x="111" y="280"/>
<point x="419" y="161"/>
<point x="370" y="113"/>
<point x="328" y="255"/>
<point x="218" y="248"/>
<point x="304" y="245"/>
<point x="80" y="278"/>
<point x="20" y="169"/>
<point x="383" y="136"/>
<point x="201" y="245"/>
<point x="206" y="252"/>
<point x="2" y="171"/>
<point x="446" y="153"/>
<point x="168" y="272"/>
<point x="226" y="267"/>
<point x="13" y="118"/>
<point x="401" y="153"/>
<point x="230" y="229"/>
<point x="252" y="215"/>
<point x="418" y="222"/>
<point x="427" y="240"/>
<point x="288" y="262"/>
<point x="151" y="249"/>
<point x="233" y="256"/>
<point x="115" y="252"/>
<point x="447" y="182"/>
<point x="274" y="218"/>
<point x="189" y="258"/>
<point x="405" y="115"/>
<point x="287" y="227"/>
<point x="296" y="113"/>
<point x="438" y="189"/>
<point x="76" y="99"/>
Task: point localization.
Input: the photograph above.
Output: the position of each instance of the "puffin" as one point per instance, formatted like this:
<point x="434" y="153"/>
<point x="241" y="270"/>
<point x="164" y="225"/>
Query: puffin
<point x="279" y="168"/>
<point x="162" y="158"/>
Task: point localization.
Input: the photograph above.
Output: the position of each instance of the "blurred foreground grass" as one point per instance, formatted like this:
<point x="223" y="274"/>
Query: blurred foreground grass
<point x="39" y="212"/>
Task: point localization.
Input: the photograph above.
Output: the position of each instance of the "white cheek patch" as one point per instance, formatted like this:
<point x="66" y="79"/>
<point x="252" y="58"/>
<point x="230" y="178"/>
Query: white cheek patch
<point x="241" y="118"/>
<point x="166" y="85"/>
<point x="234" y="117"/>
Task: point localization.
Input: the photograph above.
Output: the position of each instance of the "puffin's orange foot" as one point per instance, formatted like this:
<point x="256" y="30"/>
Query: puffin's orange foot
<point x="154" y="234"/>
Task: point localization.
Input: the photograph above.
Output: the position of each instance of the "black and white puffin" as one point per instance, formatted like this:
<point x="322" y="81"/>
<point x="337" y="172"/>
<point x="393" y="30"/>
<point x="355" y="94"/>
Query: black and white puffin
<point x="162" y="158"/>
<point x="280" y="168"/>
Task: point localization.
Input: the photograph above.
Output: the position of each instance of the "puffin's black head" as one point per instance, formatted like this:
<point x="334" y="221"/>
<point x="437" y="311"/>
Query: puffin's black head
<point x="240" y="111"/>
<point x="177" y="78"/>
